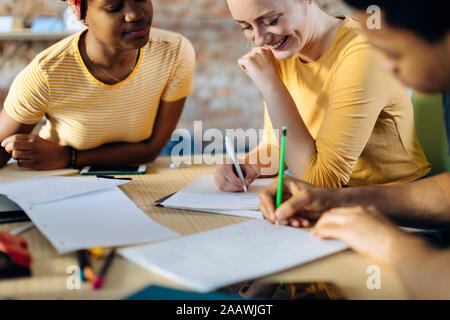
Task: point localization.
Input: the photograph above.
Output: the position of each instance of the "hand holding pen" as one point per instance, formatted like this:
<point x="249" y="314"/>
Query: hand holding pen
<point x="227" y="175"/>
<point x="230" y="150"/>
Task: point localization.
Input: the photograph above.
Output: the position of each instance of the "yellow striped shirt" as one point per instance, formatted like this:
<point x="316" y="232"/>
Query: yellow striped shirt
<point x="86" y="113"/>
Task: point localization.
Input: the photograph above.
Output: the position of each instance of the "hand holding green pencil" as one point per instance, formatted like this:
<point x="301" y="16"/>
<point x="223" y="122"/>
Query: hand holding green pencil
<point x="300" y="201"/>
<point x="303" y="203"/>
<point x="281" y="169"/>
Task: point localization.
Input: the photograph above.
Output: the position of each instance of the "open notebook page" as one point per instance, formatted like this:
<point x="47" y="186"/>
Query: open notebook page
<point x="209" y="260"/>
<point x="202" y="194"/>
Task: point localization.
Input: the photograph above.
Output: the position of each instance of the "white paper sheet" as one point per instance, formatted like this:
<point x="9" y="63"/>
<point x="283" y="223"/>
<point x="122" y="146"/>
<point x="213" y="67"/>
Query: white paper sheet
<point x="238" y="213"/>
<point x="209" y="260"/>
<point x="12" y="172"/>
<point x="44" y="189"/>
<point x="202" y="194"/>
<point x="106" y="218"/>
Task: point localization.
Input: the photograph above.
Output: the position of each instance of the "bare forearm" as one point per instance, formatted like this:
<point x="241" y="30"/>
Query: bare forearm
<point x="4" y="157"/>
<point x="266" y="158"/>
<point x="117" y="154"/>
<point x="10" y="127"/>
<point x="423" y="204"/>
<point x="422" y="268"/>
<point x="300" y="145"/>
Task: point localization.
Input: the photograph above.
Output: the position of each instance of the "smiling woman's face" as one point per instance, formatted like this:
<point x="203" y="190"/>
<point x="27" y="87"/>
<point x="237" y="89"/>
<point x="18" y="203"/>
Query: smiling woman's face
<point x="121" y="24"/>
<point x="281" y="25"/>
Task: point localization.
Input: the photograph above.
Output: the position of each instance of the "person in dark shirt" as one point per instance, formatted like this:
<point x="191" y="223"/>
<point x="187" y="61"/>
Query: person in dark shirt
<point x="413" y="37"/>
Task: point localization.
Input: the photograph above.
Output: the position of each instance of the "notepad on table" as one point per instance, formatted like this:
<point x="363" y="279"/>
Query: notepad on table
<point x="81" y="213"/>
<point x="45" y="189"/>
<point x="203" y="195"/>
<point x="213" y="259"/>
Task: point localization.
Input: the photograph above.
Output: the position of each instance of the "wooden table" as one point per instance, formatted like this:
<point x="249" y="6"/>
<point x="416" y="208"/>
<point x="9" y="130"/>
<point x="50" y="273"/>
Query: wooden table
<point x="346" y="269"/>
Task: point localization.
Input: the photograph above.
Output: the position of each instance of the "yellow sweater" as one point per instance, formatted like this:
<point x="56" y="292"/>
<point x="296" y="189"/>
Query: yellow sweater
<point x="360" y="117"/>
<point x="85" y="113"/>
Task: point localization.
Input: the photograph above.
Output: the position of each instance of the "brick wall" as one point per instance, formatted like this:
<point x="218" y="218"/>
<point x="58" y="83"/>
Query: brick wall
<point x="28" y="9"/>
<point x="224" y="96"/>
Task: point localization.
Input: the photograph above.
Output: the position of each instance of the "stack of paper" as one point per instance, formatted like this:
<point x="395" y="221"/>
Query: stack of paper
<point x="45" y="189"/>
<point x="79" y="213"/>
<point x="203" y="195"/>
<point x="210" y="260"/>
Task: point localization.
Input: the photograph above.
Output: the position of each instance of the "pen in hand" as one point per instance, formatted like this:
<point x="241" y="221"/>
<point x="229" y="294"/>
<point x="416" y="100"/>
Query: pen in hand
<point x="279" y="197"/>
<point x="230" y="150"/>
<point x="112" y="177"/>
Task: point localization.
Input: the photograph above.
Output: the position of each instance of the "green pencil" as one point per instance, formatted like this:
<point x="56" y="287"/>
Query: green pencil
<point x="281" y="169"/>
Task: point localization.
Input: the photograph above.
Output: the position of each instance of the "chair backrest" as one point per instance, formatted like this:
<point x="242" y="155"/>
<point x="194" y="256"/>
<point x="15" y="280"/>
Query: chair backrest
<point x="430" y="129"/>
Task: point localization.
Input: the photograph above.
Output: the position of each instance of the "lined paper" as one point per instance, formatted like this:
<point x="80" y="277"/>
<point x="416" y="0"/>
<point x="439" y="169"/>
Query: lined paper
<point x="210" y="260"/>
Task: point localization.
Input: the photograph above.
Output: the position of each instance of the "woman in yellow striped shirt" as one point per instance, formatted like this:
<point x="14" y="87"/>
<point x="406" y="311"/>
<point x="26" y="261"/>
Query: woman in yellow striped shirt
<point x="112" y="94"/>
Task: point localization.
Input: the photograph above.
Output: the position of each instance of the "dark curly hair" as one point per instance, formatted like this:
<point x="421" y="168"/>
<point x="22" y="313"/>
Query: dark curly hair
<point x="428" y="19"/>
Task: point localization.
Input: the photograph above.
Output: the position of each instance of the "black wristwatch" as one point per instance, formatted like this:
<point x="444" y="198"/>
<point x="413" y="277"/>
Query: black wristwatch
<point x="73" y="155"/>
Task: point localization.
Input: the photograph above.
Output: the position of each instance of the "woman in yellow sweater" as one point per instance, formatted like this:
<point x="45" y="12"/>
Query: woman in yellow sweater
<point x="112" y="94"/>
<point x="349" y="122"/>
